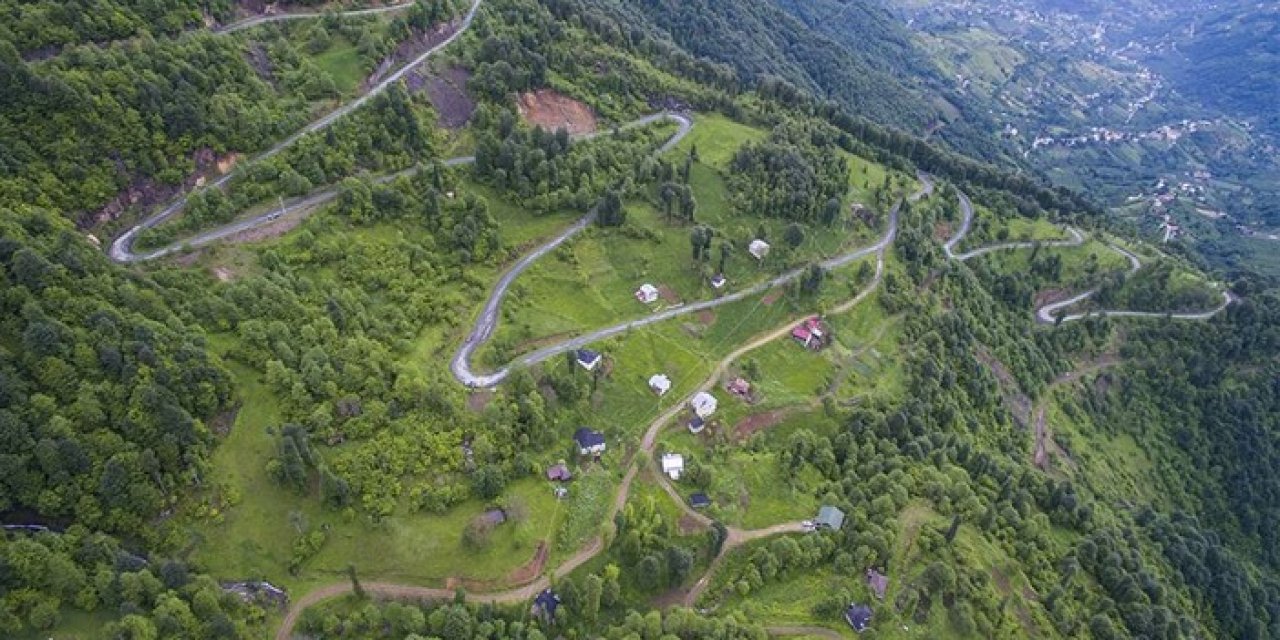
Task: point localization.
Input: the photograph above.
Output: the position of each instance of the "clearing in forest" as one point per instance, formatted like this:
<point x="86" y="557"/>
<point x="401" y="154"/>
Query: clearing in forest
<point x="553" y="111"/>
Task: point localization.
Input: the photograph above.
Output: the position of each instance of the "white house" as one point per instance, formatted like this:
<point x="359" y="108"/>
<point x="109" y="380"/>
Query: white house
<point x="647" y="293"/>
<point x="660" y="384"/>
<point x="758" y="248"/>
<point x="673" y="465"/>
<point x="703" y="403"/>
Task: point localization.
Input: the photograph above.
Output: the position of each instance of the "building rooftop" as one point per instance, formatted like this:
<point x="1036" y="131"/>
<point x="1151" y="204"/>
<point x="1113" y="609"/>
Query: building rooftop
<point x="830" y="517"/>
<point x="587" y="438"/>
<point x="858" y="616"/>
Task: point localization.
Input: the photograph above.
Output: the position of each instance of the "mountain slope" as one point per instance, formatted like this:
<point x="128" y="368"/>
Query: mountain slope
<point x="757" y="37"/>
<point x="1231" y="62"/>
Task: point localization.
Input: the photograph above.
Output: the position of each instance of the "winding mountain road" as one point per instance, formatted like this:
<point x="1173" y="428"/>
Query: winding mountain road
<point x="966" y="208"/>
<point x="1047" y="314"/>
<point x="121" y="249"/>
<point x="488" y="318"/>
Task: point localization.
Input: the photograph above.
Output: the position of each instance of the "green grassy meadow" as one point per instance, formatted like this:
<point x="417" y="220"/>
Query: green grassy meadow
<point x="590" y="281"/>
<point x="254" y="536"/>
<point x="342" y="62"/>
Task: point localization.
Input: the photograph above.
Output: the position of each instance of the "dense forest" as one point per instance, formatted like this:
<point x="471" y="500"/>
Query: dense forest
<point x="791" y="177"/>
<point x="94" y="130"/>
<point x="106" y="385"/>
<point x="36" y="26"/>
<point x="109" y="401"/>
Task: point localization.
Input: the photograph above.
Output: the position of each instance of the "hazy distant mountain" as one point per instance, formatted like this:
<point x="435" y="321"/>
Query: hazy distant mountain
<point x="1230" y="61"/>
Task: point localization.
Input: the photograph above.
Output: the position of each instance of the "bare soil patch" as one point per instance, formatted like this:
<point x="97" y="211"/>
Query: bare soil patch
<point x="771" y="298"/>
<point x="447" y="91"/>
<point x="145" y="193"/>
<point x="478" y="400"/>
<point x="706" y="317"/>
<point x="1018" y="402"/>
<point x="224" y="274"/>
<point x="186" y="258"/>
<point x="531" y="569"/>
<point x="942" y="231"/>
<point x="668" y="294"/>
<point x="221" y="423"/>
<point x="536" y="343"/>
<point x="225" y="163"/>
<point x="552" y="111"/>
<point x="1020" y="609"/>
<point x="261" y="63"/>
<point x="688" y="525"/>
<point x="752" y="424"/>
<point x="673" y="598"/>
<point x="411" y="48"/>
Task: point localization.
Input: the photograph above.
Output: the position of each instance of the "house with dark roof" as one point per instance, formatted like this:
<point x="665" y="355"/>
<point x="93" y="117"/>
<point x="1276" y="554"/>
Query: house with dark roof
<point x="493" y="517"/>
<point x="559" y="473"/>
<point x="699" y="500"/>
<point x="878" y="582"/>
<point x="858" y="616"/>
<point x="697" y="424"/>
<point x="830" y="518"/>
<point x="718" y="281"/>
<point x="588" y="359"/>
<point x="589" y="441"/>
<point x="544" y="605"/>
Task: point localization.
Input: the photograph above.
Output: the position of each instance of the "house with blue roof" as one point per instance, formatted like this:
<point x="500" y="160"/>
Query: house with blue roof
<point x="544" y="605"/>
<point x="588" y="359"/>
<point x="589" y="441"/>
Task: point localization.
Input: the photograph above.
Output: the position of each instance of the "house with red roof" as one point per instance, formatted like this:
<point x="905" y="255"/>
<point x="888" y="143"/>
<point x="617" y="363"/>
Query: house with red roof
<point x="811" y="333"/>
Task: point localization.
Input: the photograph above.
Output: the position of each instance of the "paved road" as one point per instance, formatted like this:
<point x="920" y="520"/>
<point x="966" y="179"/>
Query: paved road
<point x="966" y="208"/>
<point x="1047" y="314"/>
<point x="487" y="321"/>
<point x="121" y="249"/>
<point x="254" y="21"/>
